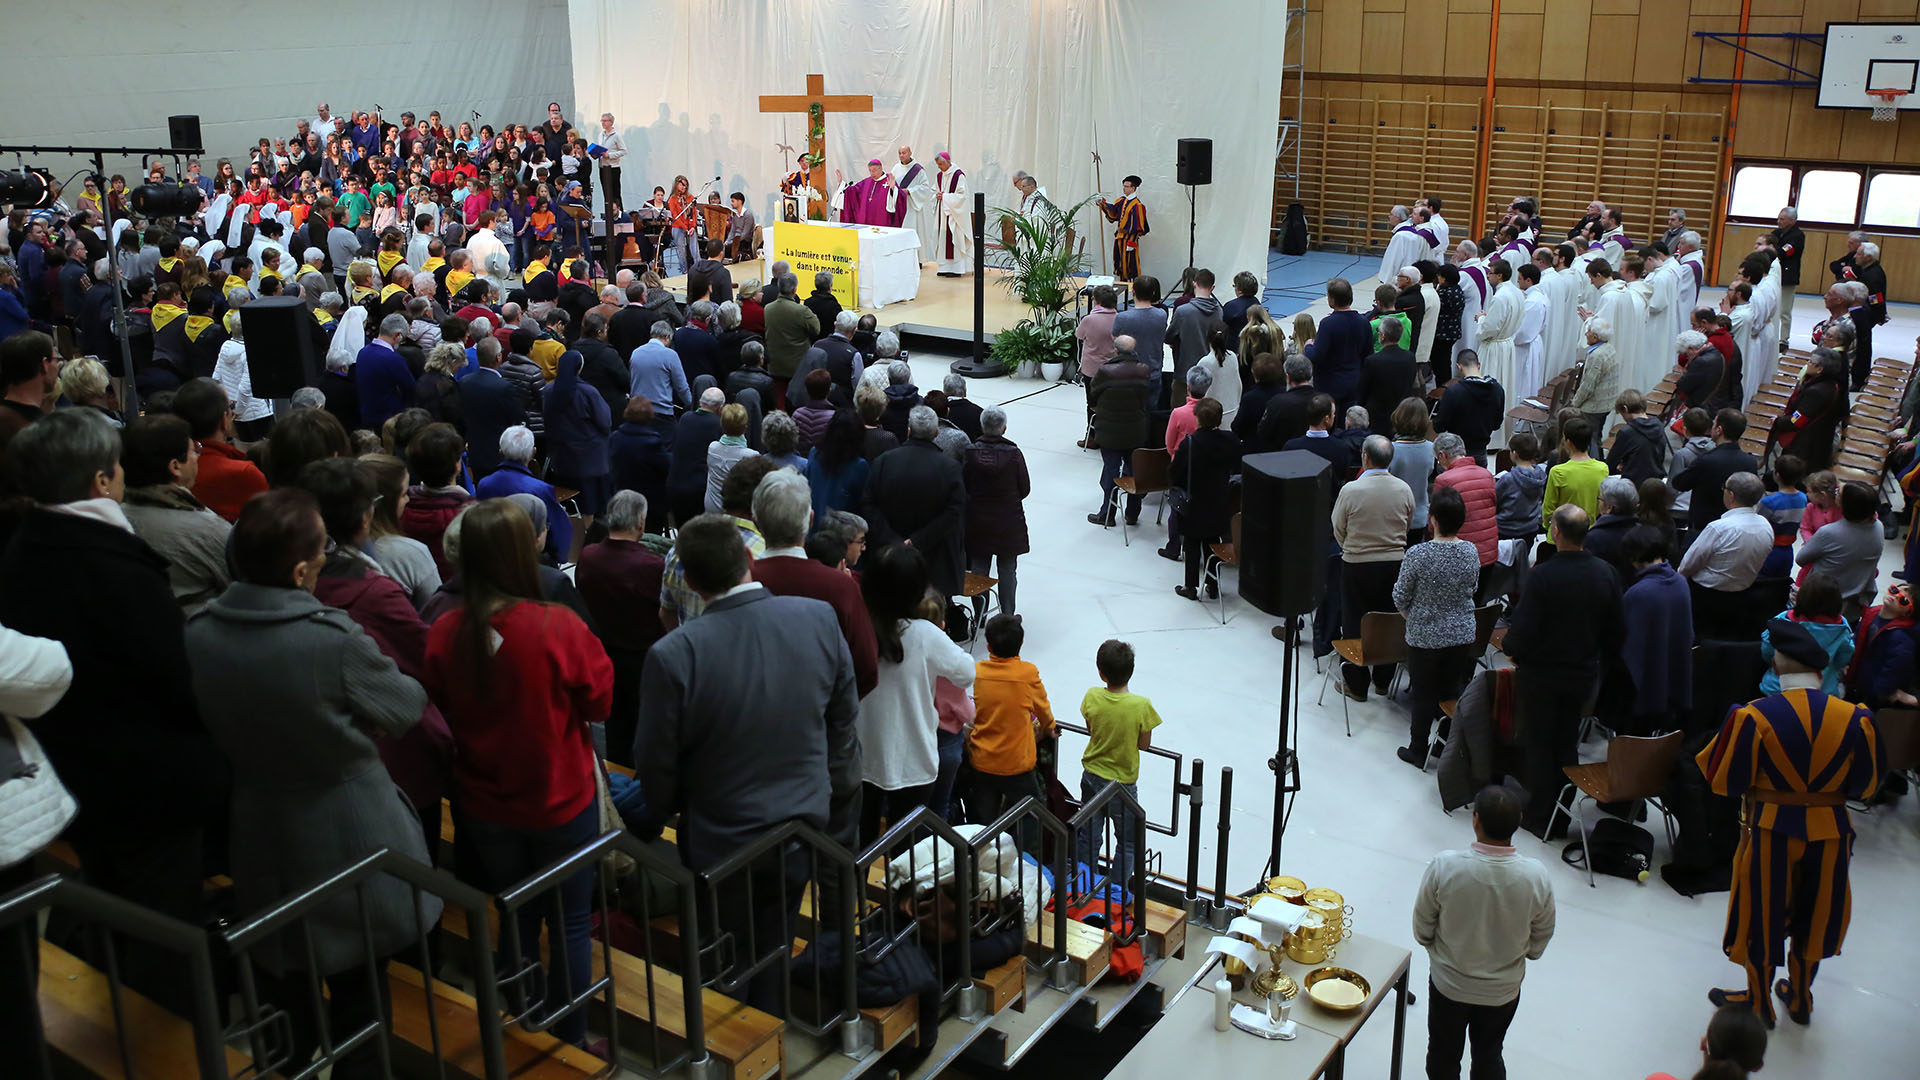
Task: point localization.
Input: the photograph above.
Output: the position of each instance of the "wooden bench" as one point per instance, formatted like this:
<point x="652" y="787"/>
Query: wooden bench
<point x="744" y="1039"/>
<point x="76" y="1013"/>
<point x="529" y="1055"/>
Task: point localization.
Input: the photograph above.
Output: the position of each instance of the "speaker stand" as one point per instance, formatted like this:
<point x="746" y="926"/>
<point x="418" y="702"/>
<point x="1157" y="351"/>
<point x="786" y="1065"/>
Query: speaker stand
<point x="1193" y="222"/>
<point x="1285" y="762"/>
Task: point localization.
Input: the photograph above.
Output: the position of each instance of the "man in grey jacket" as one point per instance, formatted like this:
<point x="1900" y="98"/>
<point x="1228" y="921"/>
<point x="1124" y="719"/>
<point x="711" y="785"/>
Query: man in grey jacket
<point x="1482" y="914"/>
<point x="747" y="722"/>
<point x="1192" y="324"/>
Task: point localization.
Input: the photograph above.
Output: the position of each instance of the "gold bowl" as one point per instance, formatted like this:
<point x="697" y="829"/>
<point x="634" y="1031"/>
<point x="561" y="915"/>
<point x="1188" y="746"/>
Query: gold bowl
<point x="1290" y="889"/>
<point x="1321" y="984"/>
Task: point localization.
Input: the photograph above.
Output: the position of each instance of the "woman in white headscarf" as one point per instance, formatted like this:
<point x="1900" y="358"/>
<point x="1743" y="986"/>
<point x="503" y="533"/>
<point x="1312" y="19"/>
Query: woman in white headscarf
<point x="217" y="213"/>
<point x="348" y="339"/>
<point x="210" y="253"/>
<point x="236" y="223"/>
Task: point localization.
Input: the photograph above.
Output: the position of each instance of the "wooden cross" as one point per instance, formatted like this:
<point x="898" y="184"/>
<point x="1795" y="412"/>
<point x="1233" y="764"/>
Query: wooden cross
<point x="816" y="135"/>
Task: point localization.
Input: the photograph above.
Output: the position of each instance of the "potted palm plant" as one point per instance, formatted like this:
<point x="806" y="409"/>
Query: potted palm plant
<point x="1043" y="262"/>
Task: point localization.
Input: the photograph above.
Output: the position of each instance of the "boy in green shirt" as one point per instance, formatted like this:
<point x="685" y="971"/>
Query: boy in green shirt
<point x="1577" y="479"/>
<point x="1119" y="725"/>
<point x="355" y="203"/>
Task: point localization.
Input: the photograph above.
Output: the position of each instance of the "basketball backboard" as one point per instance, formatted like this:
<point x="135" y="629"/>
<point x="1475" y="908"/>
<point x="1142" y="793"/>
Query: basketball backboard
<point x="1862" y="57"/>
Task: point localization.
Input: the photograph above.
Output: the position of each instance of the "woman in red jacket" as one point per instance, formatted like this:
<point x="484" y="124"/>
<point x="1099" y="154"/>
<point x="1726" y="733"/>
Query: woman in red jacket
<point x="520" y="681"/>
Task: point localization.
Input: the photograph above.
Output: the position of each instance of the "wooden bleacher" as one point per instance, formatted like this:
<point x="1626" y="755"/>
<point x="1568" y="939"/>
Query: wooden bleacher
<point x="76" y="1012"/>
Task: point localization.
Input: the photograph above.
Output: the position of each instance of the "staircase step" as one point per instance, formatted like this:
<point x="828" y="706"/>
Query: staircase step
<point x="1088" y="948"/>
<point x="746" y="1040"/>
<point x="529" y="1055"/>
<point x="76" y="1013"/>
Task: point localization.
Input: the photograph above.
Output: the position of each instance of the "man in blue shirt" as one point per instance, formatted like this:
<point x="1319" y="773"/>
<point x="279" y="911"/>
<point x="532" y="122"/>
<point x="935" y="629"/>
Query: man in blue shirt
<point x="1341" y="342"/>
<point x="381" y="375"/>
<point x="657" y="375"/>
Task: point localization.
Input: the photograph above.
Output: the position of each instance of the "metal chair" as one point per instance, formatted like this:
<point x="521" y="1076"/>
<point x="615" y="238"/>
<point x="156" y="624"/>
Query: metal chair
<point x="1219" y="556"/>
<point x="1636" y="770"/>
<point x="1382" y="640"/>
<point x="982" y="596"/>
<point x="1149" y="468"/>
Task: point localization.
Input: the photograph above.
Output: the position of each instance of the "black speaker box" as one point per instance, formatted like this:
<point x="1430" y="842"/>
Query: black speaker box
<point x="279" y="340"/>
<point x="183" y="133"/>
<point x="1286" y="504"/>
<point x="1195" y="162"/>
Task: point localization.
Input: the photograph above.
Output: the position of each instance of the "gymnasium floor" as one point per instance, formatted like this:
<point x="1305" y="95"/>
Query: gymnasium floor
<point x="1621" y="992"/>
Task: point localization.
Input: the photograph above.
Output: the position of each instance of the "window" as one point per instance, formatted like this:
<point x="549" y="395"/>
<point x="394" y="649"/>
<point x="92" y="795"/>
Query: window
<point x="1759" y="191"/>
<point x="1893" y="200"/>
<point x="1829" y="195"/>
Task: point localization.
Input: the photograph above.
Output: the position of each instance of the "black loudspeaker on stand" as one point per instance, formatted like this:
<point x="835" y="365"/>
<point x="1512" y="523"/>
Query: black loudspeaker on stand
<point x="280" y="352"/>
<point x="184" y="132"/>
<point x="1193" y="166"/>
<point x="1285" y="539"/>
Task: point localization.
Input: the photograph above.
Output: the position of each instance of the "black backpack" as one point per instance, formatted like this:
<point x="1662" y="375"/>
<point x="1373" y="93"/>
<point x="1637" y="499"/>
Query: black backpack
<point x="1619" y="849"/>
<point x="1293" y="235"/>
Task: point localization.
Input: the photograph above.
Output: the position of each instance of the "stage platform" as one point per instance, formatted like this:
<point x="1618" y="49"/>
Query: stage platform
<point x="943" y="308"/>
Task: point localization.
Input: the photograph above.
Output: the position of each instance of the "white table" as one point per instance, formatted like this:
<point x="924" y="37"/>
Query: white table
<point x="889" y="266"/>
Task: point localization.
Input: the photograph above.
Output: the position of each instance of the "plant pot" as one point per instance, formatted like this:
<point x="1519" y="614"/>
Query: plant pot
<point x="1052" y="370"/>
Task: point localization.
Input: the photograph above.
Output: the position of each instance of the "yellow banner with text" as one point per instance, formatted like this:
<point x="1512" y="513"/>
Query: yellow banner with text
<point x="810" y="249"/>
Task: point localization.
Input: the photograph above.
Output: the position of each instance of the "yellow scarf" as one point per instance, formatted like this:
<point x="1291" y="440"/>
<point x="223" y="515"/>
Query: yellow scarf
<point x="457" y="280"/>
<point x="322" y="318"/>
<point x="197" y="325"/>
<point x="389" y="260"/>
<point x="164" y="314"/>
<point x="434" y="262"/>
<point x="305" y="269"/>
<point x="387" y="293"/>
<point x="233" y="283"/>
<point x="265" y="274"/>
<point x="358" y="294"/>
<point x="534" y="270"/>
<point x="169" y="264"/>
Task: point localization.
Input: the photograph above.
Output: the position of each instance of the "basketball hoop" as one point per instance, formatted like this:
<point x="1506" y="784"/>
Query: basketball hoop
<point x="1886" y="104"/>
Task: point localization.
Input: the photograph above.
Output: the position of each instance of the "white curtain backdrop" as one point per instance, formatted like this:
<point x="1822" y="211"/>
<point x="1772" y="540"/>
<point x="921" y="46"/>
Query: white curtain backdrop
<point x="111" y="73"/>
<point x="1002" y="84"/>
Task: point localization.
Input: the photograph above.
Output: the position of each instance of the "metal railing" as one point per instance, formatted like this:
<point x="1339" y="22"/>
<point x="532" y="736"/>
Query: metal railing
<point x="1091" y="841"/>
<point x="110" y="916"/>
<point x="734" y="895"/>
<point x="737" y="922"/>
<point x="1034" y="832"/>
<point x="295" y="913"/>
<point x="1172" y="827"/>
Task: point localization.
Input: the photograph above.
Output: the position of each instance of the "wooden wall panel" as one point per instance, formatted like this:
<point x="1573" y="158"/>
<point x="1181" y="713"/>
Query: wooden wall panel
<point x="1519" y="57"/>
<point x="1563" y="39"/>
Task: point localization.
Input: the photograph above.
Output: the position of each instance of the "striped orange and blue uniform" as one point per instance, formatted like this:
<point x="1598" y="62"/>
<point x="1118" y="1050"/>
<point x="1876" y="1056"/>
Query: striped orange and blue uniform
<point x="1129" y="217"/>
<point x="1794" y="757"/>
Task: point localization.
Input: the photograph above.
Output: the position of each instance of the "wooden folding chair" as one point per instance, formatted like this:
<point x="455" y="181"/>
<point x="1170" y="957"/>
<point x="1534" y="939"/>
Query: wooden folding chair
<point x="1382" y="640"/>
<point x="1218" y="556"/>
<point x="1150" y="468"/>
<point x="1636" y="770"/>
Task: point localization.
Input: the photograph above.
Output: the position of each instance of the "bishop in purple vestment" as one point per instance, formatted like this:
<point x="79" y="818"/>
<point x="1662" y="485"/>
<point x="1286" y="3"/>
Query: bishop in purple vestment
<point x="871" y="201"/>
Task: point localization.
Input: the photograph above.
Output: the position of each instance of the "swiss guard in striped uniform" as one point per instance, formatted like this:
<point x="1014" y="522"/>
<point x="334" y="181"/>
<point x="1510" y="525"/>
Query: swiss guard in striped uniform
<point x="1794" y="758"/>
<point x="1129" y="217"/>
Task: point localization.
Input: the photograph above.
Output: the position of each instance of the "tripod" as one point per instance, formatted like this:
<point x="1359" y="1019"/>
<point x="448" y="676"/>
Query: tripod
<point x="1193" y="222"/>
<point x="1285" y="762"/>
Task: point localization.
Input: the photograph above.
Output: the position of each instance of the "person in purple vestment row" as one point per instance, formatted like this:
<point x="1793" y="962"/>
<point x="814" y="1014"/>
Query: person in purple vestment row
<point x="871" y="201"/>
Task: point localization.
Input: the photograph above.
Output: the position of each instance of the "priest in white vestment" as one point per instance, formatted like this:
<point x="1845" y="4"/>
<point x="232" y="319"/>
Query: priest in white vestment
<point x="1529" y="350"/>
<point x="1429" y="309"/>
<point x="1404" y="246"/>
<point x="1623" y="311"/>
<point x="912" y="181"/>
<point x="1614" y="243"/>
<point x="1760" y="348"/>
<point x="1736" y="304"/>
<point x="1662" y="297"/>
<point x="1498" y="322"/>
<point x="1474" y="292"/>
<point x="1560" y="283"/>
<point x="1691" y="274"/>
<point x="1442" y="232"/>
<point x="953" y="237"/>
